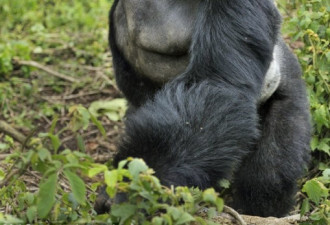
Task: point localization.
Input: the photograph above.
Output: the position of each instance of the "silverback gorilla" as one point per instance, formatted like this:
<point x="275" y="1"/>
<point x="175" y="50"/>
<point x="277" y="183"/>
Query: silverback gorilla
<point x="214" y="94"/>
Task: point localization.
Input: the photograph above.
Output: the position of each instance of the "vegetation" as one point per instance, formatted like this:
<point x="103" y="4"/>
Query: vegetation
<point x="309" y="30"/>
<point x="60" y="116"/>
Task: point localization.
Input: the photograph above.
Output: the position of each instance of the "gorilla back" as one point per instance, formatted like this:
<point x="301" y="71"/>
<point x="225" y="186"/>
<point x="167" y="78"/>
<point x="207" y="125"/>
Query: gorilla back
<point x="214" y="94"/>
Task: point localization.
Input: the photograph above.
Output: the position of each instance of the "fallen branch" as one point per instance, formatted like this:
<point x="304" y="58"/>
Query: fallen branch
<point x="46" y="69"/>
<point x="71" y="97"/>
<point x="12" y="132"/>
<point x="295" y="218"/>
<point x="234" y="214"/>
<point x="9" y="177"/>
<point x="230" y="216"/>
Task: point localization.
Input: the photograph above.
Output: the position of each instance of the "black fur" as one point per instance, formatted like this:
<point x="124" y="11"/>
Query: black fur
<point x="206" y="124"/>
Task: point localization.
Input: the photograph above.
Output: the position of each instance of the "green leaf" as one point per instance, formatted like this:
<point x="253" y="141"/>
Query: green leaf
<point x="211" y="212"/>
<point x="81" y="144"/>
<point x="84" y="116"/>
<point x="174" y="212"/>
<point x="56" y="142"/>
<point x="44" y="154"/>
<point x="2" y="174"/>
<point x="316" y="216"/>
<point x="224" y="183"/>
<point x="114" y="109"/>
<point x="77" y="186"/>
<point x="11" y="220"/>
<point x="136" y="166"/>
<point x="219" y="204"/>
<point x="46" y="196"/>
<point x="326" y="175"/>
<point x="304" y="207"/>
<point x="31" y="213"/>
<point x="3" y="146"/>
<point x="315" y="190"/>
<point x="158" y="221"/>
<point x="29" y="198"/>
<point x="111" y="178"/>
<point x="324" y="145"/>
<point x="54" y="122"/>
<point x="123" y="211"/>
<point x="99" y="125"/>
<point x="96" y="169"/>
<point x="122" y="164"/>
<point x="314" y="143"/>
<point x="185" y="218"/>
<point x="168" y="220"/>
<point x="114" y="116"/>
<point x="209" y="195"/>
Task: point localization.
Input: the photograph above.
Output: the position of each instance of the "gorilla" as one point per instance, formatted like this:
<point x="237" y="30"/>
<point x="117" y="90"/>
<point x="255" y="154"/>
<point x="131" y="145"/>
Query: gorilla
<point x="214" y="93"/>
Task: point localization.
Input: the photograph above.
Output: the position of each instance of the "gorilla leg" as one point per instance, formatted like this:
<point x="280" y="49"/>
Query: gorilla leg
<point x="266" y="181"/>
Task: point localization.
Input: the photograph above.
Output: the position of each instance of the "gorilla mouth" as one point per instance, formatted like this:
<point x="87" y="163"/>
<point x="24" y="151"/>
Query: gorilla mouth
<point x="159" y="66"/>
<point x="169" y="51"/>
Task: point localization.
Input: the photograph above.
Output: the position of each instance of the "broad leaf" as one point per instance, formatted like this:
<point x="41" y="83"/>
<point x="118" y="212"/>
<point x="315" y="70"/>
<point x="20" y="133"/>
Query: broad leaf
<point x="315" y="190"/>
<point x="123" y="211"/>
<point x="185" y="218"/>
<point x="77" y="186"/>
<point x="46" y="196"/>
<point x="136" y="167"/>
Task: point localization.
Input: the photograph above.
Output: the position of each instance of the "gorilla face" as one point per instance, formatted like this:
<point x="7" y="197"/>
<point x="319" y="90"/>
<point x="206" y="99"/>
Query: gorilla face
<point x="156" y="43"/>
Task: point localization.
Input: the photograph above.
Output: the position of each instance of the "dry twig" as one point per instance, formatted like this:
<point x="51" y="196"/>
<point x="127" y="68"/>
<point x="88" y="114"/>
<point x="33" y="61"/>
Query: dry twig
<point x="12" y="132"/>
<point x="46" y="69"/>
<point x="235" y="214"/>
<point x="295" y="218"/>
